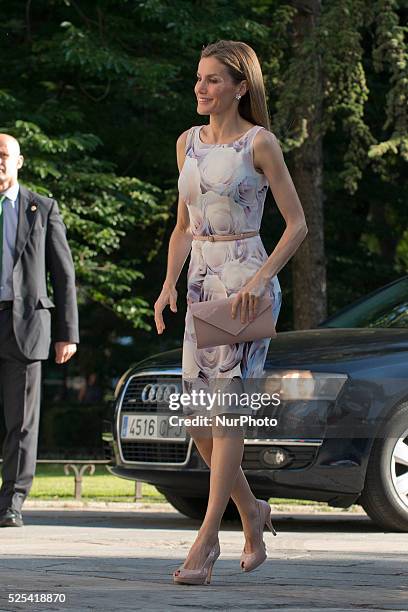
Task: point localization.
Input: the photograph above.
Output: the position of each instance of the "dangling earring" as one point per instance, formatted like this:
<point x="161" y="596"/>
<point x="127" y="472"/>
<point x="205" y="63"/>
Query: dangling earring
<point x="237" y="96"/>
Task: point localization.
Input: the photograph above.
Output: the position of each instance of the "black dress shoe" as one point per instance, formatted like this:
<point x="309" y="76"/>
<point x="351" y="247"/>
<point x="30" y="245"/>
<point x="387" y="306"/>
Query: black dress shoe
<point x="11" y="518"/>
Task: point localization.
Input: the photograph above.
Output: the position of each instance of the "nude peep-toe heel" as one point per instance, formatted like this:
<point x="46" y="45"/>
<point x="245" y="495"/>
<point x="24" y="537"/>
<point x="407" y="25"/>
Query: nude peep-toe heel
<point x="250" y="561"/>
<point x="201" y="575"/>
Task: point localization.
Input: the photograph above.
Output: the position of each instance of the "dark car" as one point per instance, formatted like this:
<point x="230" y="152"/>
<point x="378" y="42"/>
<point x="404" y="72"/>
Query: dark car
<point x="344" y="438"/>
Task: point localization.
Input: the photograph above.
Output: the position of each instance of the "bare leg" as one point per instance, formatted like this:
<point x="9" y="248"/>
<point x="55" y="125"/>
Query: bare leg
<point x="241" y="493"/>
<point x="223" y="454"/>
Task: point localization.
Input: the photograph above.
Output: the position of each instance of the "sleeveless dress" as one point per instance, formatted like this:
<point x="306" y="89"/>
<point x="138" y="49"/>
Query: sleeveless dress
<point x="224" y="194"/>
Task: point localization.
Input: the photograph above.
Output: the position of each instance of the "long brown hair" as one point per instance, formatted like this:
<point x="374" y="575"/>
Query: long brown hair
<point x="242" y="63"/>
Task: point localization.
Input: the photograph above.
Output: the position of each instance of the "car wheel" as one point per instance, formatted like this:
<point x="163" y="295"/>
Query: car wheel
<point x="385" y="494"/>
<point x="195" y="507"/>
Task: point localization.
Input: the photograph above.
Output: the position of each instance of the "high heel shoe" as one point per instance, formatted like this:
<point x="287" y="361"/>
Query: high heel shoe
<point x="250" y="561"/>
<point x="201" y="575"/>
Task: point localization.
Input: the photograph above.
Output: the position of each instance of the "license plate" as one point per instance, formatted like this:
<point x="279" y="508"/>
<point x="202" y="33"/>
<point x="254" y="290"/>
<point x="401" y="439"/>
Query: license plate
<point x="150" y="427"/>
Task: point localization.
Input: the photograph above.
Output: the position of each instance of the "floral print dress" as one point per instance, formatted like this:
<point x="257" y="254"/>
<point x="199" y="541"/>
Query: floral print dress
<point x="224" y="194"/>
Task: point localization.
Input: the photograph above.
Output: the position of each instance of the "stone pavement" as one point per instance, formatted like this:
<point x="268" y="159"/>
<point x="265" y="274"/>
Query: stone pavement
<point x="110" y="558"/>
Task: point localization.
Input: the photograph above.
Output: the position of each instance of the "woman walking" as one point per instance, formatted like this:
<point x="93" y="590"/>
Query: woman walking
<point x="225" y="169"/>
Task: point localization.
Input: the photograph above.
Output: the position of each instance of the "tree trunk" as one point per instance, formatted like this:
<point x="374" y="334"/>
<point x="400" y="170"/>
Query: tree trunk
<point x="309" y="264"/>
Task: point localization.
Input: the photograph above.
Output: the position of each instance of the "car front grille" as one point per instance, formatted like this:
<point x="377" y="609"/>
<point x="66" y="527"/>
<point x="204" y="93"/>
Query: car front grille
<point x="132" y="400"/>
<point x="155" y="452"/>
<point x="142" y="395"/>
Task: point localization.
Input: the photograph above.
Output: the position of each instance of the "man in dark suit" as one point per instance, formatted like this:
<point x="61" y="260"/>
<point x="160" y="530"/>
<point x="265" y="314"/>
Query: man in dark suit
<point x="32" y="243"/>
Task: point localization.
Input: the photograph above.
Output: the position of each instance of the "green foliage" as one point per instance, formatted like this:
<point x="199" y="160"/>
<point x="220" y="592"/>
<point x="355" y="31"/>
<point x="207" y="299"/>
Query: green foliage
<point x="98" y="96"/>
<point x="333" y="67"/>
<point x="351" y="73"/>
<point x="390" y="53"/>
<point x="99" y="209"/>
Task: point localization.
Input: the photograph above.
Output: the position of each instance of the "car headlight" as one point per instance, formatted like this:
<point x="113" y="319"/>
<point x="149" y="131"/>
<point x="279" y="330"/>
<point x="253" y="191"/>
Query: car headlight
<point x="304" y="384"/>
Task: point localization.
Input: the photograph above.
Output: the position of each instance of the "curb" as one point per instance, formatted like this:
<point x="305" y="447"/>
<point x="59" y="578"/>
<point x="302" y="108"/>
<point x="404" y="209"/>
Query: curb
<point x="166" y="507"/>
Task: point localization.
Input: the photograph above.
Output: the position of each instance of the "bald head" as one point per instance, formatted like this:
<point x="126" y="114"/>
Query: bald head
<point x="11" y="143"/>
<point x="11" y="161"/>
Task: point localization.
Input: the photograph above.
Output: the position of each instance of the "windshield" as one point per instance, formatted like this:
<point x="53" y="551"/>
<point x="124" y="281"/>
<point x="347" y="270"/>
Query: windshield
<point x="387" y="308"/>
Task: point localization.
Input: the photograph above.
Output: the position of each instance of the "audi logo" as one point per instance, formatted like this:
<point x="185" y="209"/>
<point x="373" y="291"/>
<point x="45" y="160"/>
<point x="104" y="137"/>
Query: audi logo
<point x="154" y="393"/>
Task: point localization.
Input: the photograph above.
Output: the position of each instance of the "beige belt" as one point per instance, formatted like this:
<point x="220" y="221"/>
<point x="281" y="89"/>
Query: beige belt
<point x="215" y="238"/>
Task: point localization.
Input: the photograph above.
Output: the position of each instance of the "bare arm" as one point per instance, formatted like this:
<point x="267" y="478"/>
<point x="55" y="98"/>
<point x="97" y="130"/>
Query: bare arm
<point x="269" y="158"/>
<point x="179" y="248"/>
<point x="180" y="239"/>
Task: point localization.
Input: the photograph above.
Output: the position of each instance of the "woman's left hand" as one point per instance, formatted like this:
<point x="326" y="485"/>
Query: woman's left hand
<point x="249" y="296"/>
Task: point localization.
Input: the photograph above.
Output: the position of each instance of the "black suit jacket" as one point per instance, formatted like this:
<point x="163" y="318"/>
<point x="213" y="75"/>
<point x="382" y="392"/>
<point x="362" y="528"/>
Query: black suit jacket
<point x="41" y="248"/>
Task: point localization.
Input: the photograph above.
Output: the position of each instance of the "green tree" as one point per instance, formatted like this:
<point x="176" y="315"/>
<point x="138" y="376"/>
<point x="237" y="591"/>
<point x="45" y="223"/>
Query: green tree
<point x="98" y="97"/>
<point x="348" y="62"/>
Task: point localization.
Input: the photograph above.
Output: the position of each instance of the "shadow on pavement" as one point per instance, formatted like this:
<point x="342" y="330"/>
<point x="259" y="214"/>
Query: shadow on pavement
<point x="168" y="520"/>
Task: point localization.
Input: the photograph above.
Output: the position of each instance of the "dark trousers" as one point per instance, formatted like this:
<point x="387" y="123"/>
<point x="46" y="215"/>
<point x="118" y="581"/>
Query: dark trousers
<point x="20" y="393"/>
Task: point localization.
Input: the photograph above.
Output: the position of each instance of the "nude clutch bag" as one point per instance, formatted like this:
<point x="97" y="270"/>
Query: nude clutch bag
<point x="214" y="325"/>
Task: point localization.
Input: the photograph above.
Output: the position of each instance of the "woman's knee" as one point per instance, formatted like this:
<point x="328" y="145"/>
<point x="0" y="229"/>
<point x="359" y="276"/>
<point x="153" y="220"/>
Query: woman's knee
<point x="200" y="433"/>
<point x="229" y="428"/>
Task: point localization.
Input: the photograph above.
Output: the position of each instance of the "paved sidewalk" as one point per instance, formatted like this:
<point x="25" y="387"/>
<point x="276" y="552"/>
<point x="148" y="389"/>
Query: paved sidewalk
<point x="122" y="559"/>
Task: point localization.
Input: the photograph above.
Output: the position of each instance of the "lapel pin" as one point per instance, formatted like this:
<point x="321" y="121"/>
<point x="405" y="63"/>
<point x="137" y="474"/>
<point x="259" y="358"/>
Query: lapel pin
<point x="34" y="207"/>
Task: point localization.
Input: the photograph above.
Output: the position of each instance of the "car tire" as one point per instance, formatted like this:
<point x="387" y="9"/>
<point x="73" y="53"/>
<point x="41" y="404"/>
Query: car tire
<point x="383" y="498"/>
<point x="195" y="507"/>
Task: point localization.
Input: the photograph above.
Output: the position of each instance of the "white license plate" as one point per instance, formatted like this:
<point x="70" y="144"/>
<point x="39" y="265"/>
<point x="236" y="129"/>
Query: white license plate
<point x="150" y="427"/>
